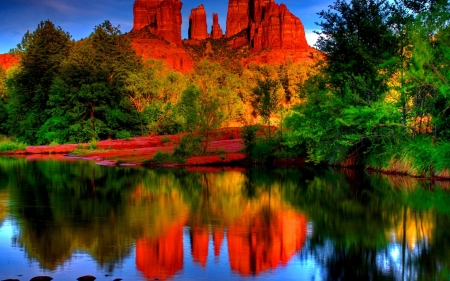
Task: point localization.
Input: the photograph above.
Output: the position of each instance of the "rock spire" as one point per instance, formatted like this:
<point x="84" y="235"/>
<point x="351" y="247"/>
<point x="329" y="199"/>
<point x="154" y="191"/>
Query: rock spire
<point x="197" y="24"/>
<point x="216" y="31"/>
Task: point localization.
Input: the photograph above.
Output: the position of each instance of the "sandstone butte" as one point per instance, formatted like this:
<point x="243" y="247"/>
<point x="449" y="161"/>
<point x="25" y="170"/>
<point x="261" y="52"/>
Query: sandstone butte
<point x="198" y="29"/>
<point x="162" y="16"/>
<point x="274" y="34"/>
<point x="216" y="30"/>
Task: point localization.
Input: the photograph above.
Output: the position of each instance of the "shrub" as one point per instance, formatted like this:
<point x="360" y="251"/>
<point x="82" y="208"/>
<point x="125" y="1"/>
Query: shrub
<point x="161" y="157"/>
<point x="189" y="145"/>
<point x="165" y="139"/>
<point x="92" y="144"/>
<point x="10" y="145"/>
<point x="249" y="137"/>
<point x="123" y="135"/>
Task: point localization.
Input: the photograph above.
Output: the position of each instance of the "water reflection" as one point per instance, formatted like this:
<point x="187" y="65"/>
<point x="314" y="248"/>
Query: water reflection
<point x="324" y="224"/>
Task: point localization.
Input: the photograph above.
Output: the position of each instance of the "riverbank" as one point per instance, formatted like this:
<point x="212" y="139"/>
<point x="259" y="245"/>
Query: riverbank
<point x="225" y="148"/>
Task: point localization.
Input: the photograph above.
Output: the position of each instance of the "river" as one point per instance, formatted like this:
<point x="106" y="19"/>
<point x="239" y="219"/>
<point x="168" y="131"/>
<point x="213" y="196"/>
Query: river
<point x="66" y="218"/>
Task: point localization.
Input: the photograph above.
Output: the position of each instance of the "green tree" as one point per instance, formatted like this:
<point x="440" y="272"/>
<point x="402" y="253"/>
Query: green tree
<point x="3" y="113"/>
<point x="357" y="39"/>
<point x="429" y="73"/>
<point x="41" y="54"/>
<point x="267" y="98"/>
<point x="203" y="113"/>
<point x="92" y="89"/>
<point x="216" y="82"/>
<point x="153" y="92"/>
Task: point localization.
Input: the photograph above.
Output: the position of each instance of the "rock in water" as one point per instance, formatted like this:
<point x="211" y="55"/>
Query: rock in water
<point x="41" y="278"/>
<point x="86" y="278"/>
<point x="197" y="24"/>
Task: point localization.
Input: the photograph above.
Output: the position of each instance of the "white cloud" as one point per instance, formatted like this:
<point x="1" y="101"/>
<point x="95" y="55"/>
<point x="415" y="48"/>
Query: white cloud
<point x="311" y="38"/>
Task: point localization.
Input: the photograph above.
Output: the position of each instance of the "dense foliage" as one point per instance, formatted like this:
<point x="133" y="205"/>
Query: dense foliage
<point x="99" y="88"/>
<point x="381" y="96"/>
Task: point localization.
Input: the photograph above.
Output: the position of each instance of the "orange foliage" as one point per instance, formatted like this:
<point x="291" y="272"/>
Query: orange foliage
<point x="8" y="61"/>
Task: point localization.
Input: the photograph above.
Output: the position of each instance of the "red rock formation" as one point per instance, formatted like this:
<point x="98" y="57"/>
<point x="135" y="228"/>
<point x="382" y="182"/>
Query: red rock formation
<point x="7" y="61"/>
<point x="271" y="26"/>
<point x="198" y="29"/>
<point x="148" y="45"/>
<point x="237" y="17"/>
<point x="163" y="17"/>
<point x="278" y="29"/>
<point x="216" y="31"/>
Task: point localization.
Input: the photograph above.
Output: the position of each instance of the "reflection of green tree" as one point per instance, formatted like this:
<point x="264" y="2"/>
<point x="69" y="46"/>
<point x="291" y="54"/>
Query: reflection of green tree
<point x="72" y="207"/>
<point x="80" y="206"/>
<point x="355" y="213"/>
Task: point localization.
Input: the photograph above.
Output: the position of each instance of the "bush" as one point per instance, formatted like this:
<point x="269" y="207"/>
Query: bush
<point x="10" y="145"/>
<point x="92" y="144"/>
<point x="161" y="158"/>
<point x="123" y="135"/>
<point x="263" y="150"/>
<point x="189" y="145"/>
<point x="248" y="135"/>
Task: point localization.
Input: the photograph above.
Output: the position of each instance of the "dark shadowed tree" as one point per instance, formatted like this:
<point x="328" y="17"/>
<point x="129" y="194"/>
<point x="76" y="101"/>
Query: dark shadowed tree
<point x="357" y="39"/>
<point x="91" y="89"/>
<point x="41" y="54"/>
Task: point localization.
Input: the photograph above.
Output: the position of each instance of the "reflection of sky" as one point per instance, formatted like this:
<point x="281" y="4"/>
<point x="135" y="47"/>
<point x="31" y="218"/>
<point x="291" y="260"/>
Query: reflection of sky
<point x="81" y="263"/>
<point x="303" y="266"/>
<point x="218" y="268"/>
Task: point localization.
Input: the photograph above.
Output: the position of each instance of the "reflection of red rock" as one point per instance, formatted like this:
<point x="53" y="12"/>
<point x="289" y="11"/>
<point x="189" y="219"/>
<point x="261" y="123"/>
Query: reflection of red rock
<point x="7" y="61"/>
<point x="197" y="24"/>
<point x="199" y="244"/>
<point x="266" y="241"/>
<point x="163" y="257"/>
<point x="162" y="16"/>
<point x="218" y="236"/>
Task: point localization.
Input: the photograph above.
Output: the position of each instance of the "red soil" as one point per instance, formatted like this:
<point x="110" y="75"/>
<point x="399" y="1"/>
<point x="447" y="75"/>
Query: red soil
<point x="138" y="150"/>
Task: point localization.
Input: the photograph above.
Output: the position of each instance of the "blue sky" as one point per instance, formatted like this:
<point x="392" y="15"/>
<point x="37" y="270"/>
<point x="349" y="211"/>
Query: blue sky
<point x="79" y="17"/>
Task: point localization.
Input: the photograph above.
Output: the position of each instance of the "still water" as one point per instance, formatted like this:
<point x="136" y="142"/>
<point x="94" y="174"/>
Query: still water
<point x="68" y="218"/>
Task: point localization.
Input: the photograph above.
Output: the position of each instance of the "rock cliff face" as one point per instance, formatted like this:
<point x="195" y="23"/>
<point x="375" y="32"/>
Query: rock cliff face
<point x="278" y="29"/>
<point x="148" y="45"/>
<point x="269" y="25"/>
<point x="197" y="24"/>
<point x="261" y="31"/>
<point x="238" y="17"/>
<point x="163" y="17"/>
<point x="216" y="31"/>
